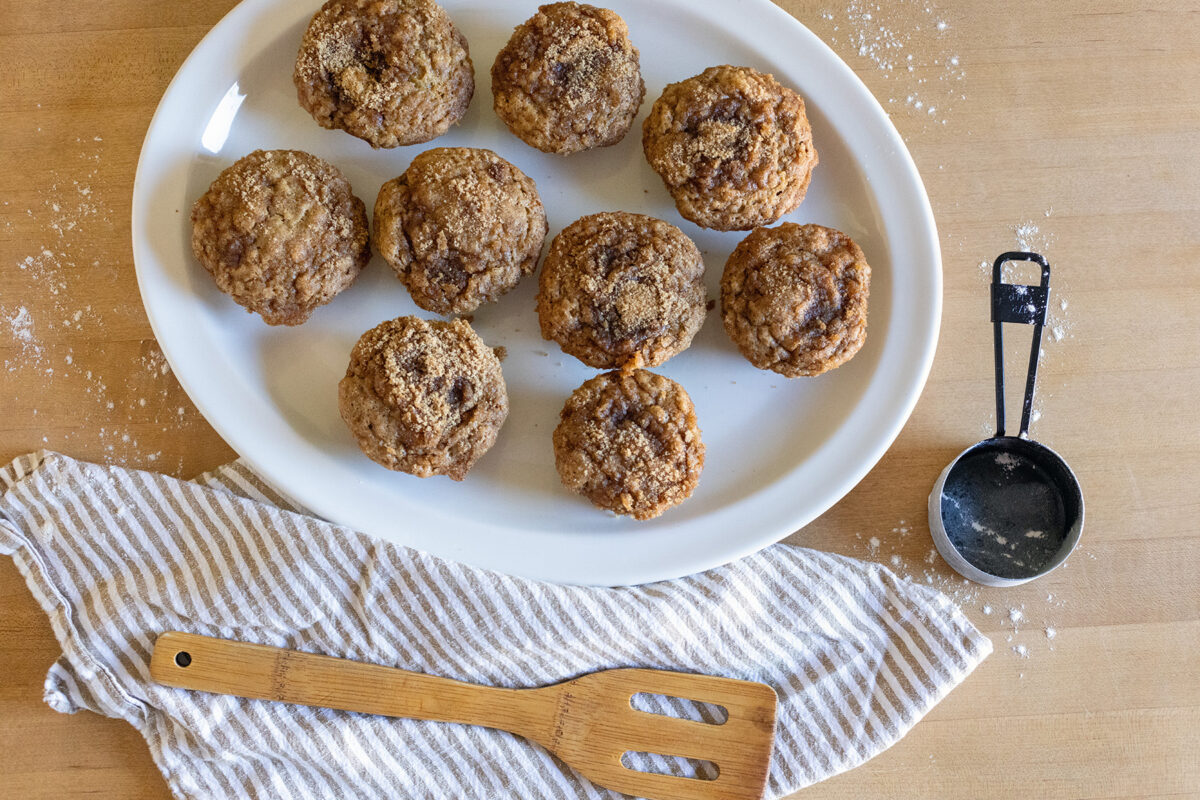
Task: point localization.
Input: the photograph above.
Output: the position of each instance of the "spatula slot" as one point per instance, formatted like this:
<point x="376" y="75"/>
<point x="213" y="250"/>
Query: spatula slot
<point x="675" y="766"/>
<point x="679" y="707"/>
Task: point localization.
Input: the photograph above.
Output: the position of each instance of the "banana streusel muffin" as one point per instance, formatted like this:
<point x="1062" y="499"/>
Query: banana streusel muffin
<point x="460" y="227"/>
<point x="622" y="290"/>
<point x="629" y="442"/>
<point x="569" y="79"/>
<point x="794" y="299"/>
<point x="281" y="232"/>
<point x="426" y="398"/>
<point x="733" y="147"/>
<point x="391" y="72"/>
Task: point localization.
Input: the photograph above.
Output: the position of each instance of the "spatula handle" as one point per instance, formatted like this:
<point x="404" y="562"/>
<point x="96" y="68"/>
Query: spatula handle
<point x="260" y="672"/>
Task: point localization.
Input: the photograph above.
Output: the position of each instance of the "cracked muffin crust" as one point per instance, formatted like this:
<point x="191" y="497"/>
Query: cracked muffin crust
<point x="460" y="228"/>
<point x="421" y="397"/>
<point x="281" y="232"/>
<point x="794" y="299"/>
<point x="733" y="147"/>
<point x="629" y="442"/>
<point x="391" y="72"/>
<point x="569" y="79"/>
<point x="622" y="290"/>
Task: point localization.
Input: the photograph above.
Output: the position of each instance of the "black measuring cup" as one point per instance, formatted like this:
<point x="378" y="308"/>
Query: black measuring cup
<point x="1009" y="509"/>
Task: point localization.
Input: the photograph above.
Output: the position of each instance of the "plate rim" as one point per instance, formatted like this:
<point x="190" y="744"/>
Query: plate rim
<point x="661" y="565"/>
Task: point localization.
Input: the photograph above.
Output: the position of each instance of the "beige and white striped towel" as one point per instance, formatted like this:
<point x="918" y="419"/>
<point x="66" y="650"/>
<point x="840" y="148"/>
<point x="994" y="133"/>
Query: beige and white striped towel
<point x="116" y="556"/>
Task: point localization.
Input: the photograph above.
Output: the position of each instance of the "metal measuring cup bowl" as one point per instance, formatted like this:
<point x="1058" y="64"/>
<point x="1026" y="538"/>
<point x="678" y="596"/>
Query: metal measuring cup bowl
<point x="1008" y="509"/>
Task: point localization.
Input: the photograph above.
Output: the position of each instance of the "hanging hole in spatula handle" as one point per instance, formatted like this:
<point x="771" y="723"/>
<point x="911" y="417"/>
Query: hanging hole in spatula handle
<point x="1022" y="304"/>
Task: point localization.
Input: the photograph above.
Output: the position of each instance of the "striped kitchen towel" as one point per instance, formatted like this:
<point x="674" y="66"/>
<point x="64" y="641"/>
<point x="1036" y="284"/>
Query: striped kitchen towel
<point x="117" y="556"/>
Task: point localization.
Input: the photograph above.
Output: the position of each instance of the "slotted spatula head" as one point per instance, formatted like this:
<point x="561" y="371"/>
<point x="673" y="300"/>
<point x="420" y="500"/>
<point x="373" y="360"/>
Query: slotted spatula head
<point x="597" y="724"/>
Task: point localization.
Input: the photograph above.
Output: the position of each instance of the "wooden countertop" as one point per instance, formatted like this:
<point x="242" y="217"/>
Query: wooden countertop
<point x="1074" y="126"/>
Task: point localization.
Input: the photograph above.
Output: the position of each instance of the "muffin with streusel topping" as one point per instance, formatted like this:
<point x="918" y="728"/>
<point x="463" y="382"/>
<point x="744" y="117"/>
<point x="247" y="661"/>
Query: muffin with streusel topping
<point x="569" y="79"/>
<point x="391" y="72"/>
<point x="629" y="442"/>
<point x="794" y="299"/>
<point x="733" y="147"/>
<point x="282" y="233"/>
<point x="421" y="397"/>
<point x="460" y="228"/>
<point x="622" y="290"/>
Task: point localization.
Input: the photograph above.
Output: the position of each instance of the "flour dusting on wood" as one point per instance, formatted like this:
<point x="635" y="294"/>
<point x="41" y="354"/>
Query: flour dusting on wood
<point x="910" y="45"/>
<point x="88" y="398"/>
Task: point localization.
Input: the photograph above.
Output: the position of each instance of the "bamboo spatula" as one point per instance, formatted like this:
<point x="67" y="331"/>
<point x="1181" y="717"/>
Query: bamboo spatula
<point x="588" y="722"/>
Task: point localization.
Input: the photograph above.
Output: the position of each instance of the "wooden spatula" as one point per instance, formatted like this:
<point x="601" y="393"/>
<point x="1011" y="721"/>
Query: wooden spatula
<point x="588" y="722"/>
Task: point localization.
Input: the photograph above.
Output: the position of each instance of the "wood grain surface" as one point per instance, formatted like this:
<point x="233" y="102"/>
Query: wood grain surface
<point x="588" y="722"/>
<point x="1078" y="119"/>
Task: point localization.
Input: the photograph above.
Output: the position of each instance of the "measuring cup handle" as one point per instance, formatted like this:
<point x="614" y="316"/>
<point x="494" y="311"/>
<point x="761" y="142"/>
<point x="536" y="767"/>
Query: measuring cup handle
<point x="1025" y="305"/>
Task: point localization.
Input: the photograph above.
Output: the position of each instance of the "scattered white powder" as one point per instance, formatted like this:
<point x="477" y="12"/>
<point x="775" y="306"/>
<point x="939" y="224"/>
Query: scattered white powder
<point x="20" y="325"/>
<point x="66" y="220"/>
<point x="1007" y="460"/>
<point x="916" y="564"/>
<point x="1030" y="238"/>
<point x="906" y="42"/>
<point x="926" y="568"/>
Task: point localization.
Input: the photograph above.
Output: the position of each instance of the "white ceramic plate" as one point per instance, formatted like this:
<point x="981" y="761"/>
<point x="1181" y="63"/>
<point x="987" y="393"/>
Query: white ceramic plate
<point x="780" y="452"/>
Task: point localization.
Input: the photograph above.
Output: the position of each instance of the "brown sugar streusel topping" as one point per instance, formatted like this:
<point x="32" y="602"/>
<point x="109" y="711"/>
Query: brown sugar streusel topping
<point x="460" y="227"/>
<point x="391" y="72"/>
<point x="620" y="289"/>
<point x="427" y="398"/>
<point x="629" y="442"/>
<point x="569" y="79"/>
<point x="794" y="299"/>
<point x="281" y="232"/>
<point x="733" y="147"/>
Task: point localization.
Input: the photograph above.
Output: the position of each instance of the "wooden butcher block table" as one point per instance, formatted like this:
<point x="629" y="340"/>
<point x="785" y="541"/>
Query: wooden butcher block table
<point x="1068" y="128"/>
